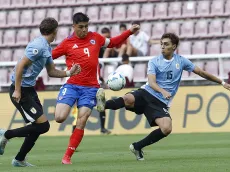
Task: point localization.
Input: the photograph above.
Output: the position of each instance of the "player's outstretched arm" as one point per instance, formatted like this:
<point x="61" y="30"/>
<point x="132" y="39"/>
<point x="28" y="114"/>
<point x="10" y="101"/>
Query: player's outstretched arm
<point x="115" y="41"/>
<point x="53" y="72"/>
<point x="24" y="62"/>
<point x="153" y="84"/>
<point x="210" y="77"/>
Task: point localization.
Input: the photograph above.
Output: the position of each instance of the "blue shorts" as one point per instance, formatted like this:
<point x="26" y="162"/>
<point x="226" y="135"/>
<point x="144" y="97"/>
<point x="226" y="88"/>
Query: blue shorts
<point x="84" y="96"/>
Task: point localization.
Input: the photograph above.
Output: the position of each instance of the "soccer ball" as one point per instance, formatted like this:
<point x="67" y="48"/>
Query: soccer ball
<point x="116" y="81"/>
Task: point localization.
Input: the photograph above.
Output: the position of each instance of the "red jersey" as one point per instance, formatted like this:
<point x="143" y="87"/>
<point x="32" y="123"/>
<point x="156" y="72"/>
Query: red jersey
<point x="119" y="46"/>
<point x="84" y="52"/>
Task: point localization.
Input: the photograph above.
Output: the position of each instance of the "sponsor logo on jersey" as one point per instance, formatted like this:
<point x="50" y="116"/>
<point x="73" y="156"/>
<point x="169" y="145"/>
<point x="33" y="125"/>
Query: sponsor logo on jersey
<point x="75" y="46"/>
<point x="92" y="41"/>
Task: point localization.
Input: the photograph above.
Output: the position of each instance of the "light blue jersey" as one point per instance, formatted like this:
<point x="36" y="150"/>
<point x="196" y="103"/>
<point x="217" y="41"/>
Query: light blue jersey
<point x="168" y="74"/>
<point x="39" y="52"/>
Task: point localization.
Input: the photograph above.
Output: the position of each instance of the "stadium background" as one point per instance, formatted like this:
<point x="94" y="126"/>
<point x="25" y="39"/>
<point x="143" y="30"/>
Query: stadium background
<point x="200" y="106"/>
<point x="203" y="28"/>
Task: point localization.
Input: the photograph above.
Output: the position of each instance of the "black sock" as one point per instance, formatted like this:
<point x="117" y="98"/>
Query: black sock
<point x="153" y="137"/>
<point x="20" y="132"/>
<point x="115" y="104"/>
<point x="73" y="128"/>
<point x="27" y="130"/>
<point x="27" y="145"/>
<point x="102" y="119"/>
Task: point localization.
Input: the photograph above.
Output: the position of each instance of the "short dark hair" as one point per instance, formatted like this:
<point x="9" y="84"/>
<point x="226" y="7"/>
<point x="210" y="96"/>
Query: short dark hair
<point x="48" y="26"/>
<point x="80" y="17"/>
<point x="105" y="30"/>
<point x="125" y="57"/>
<point x="172" y="36"/>
<point x="123" y="25"/>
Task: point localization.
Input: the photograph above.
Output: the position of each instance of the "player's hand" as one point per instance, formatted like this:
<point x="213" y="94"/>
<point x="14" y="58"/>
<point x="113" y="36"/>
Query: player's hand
<point x="135" y="28"/>
<point x="227" y="86"/>
<point x="166" y="94"/>
<point x="16" y="96"/>
<point x="75" y="69"/>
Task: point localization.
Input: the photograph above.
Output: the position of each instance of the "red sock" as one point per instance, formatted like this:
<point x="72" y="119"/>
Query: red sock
<point x="74" y="141"/>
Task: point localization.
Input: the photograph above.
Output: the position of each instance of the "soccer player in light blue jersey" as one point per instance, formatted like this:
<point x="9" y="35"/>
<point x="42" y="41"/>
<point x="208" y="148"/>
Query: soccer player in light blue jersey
<point x="154" y="98"/>
<point x="23" y="95"/>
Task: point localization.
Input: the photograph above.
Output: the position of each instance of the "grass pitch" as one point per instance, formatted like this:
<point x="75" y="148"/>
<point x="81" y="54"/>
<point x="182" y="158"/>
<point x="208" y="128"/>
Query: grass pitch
<point x="176" y="153"/>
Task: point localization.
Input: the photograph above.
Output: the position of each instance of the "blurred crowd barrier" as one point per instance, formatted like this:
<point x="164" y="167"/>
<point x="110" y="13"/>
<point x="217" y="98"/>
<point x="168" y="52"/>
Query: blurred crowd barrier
<point x="194" y="109"/>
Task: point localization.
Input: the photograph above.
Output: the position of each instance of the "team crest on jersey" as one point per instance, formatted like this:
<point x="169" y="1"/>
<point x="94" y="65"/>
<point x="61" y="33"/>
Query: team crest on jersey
<point x="92" y="41"/>
<point x="177" y="66"/>
<point x="33" y="110"/>
<point x="35" y="51"/>
<point x="166" y="111"/>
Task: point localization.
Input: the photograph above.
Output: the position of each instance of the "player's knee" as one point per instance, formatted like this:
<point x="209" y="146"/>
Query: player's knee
<point x="61" y="112"/>
<point x="59" y="119"/>
<point x="129" y="100"/>
<point x="43" y="127"/>
<point x="166" y="129"/>
<point x="165" y="125"/>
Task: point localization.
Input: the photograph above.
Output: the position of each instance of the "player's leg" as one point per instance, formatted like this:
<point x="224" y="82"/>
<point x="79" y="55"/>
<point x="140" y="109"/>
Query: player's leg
<point x="165" y="128"/>
<point x="165" y="125"/>
<point x="62" y="112"/>
<point x="42" y="126"/>
<point x="127" y="100"/>
<point x="86" y="102"/>
<point x="66" y="99"/>
<point x="102" y="117"/>
<point x="75" y="118"/>
<point x="26" y="130"/>
<point x="157" y="115"/>
<point x="31" y="110"/>
<point x="78" y="133"/>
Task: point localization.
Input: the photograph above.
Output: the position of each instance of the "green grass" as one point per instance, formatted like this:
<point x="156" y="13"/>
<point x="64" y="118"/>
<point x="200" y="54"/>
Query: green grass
<point x="176" y="153"/>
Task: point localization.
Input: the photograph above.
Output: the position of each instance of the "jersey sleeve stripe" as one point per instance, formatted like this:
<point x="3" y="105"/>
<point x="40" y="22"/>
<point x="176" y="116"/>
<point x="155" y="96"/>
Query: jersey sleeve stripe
<point x="107" y="41"/>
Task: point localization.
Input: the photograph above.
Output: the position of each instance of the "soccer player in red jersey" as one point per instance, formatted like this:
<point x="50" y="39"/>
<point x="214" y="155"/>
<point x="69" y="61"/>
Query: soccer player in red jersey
<point x="82" y="48"/>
